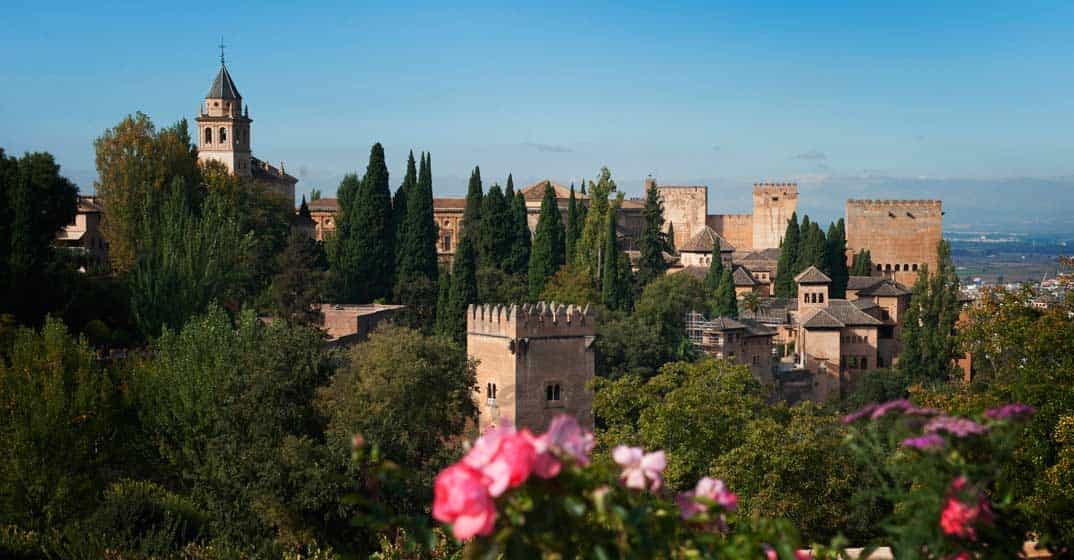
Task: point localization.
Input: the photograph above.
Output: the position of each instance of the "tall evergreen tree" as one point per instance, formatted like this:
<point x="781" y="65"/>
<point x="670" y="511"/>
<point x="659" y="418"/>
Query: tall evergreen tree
<point x="813" y="247"/>
<point x="592" y="241"/>
<point x="416" y="274"/>
<point x="929" y="344"/>
<point x="497" y="228"/>
<point x="715" y="273"/>
<point x="518" y="259"/>
<point x="463" y="287"/>
<point x="445" y="322"/>
<point x="672" y="249"/>
<point x="863" y="263"/>
<point x="725" y="303"/>
<point x="615" y="278"/>
<point x="365" y="255"/>
<point x="788" y="260"/>
<point x="399" y="201"/>
<point x="471" y="215"/>
<point x="304" y="209"/>
<point x="836" y="253"/>
<point x="574" y="226"/>
<point x="651" y="263"/>
<point x="548" y="252"/>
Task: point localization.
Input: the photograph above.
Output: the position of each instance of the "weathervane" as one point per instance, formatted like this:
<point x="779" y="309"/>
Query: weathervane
<point x="222" y="45"/>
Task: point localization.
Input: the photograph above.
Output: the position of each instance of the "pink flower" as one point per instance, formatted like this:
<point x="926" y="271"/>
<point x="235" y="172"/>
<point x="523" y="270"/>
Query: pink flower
<point x="639" y="466"/>
<point x="770" y="553"/>
<point x="568" y="437"/>
<point x="959" y="517"/>
<point x="460" y="498"/>
<point x="859" y="414"/>
<point x="504" y="458"/>
<point x="803" y="554"/>
<point x="1009" y="411"/>
<point x="958" y="427"/>
<point x="927" y="442"/>
<point x="711" y="490"/>
<point x="900" y="405"/>
<point x="545" y="465"/>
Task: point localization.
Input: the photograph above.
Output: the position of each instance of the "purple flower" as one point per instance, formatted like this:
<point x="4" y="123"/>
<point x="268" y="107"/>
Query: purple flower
<point x="567" y="436"/>
<point x="922" y="411"/>
<point x="958" y="427"/>
<point x="901" y="405"/>
<point x="1010" y="411"/>
<point x="858" y="415"/>
<point x="927" y="442"/>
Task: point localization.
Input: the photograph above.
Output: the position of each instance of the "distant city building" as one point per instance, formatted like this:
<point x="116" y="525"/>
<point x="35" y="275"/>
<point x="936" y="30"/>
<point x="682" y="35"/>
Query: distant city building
<point x="534" y="362"/>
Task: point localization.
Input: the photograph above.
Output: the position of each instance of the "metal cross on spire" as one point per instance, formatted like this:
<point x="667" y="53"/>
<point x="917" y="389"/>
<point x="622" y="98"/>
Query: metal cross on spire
<point x="222" y="45"/>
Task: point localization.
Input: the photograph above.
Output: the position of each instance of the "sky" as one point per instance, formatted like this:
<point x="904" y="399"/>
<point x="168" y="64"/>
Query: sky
<point x="969" y="102"/>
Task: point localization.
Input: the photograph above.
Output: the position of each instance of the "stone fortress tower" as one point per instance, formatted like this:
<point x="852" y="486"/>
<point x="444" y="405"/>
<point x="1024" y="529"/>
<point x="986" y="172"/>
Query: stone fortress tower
<point x="773" y="204"/>
<point x="901" y="235"/>
<point x="534" y="362"/>
<point x="224" y="126"/>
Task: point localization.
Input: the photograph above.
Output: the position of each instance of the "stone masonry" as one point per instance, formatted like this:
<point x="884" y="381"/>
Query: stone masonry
<point x="534" y="362"/>
<point x="901" y="235"/>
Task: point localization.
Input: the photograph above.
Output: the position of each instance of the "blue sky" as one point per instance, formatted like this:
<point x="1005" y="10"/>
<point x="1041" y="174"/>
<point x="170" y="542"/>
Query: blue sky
<point x="936" y="99"/>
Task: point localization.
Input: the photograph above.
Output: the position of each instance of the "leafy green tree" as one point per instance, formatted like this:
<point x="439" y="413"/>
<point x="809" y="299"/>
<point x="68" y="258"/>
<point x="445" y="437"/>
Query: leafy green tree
<point x="788" y="260"/>
<point x="574" y="226"/>
<point x="836" y="252"/>
<point x="594" y="230"/>
<point x="409" y="395"/>
<point x="653" y="242"/>
<point x="300" y="284"/>
<point x="788" y="459"/>
<point x="463" y="286"/>
<point x="134" y="158"/>
<point x="230" y="409"/>
<point x="315" y="194"/>
<point x="548" y="253"/>
<point x="863" y="263"/>
<point x="365" y="235"/>
<point x="56" y="427"/>
<point x="37" y="202"/>
<point x="569" y="286"/>
<point x="399" y="212"/>
<point x="617" y="278"/>
<point x="929" y="342"/>
<point x="693" y="411"/>
<point x="187" y="261"/>
<point x="518" y="258"/>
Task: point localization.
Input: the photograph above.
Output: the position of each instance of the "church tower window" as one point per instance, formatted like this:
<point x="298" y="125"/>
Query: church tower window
<point x="208" y="136"/>
<point x="223" y="135"/>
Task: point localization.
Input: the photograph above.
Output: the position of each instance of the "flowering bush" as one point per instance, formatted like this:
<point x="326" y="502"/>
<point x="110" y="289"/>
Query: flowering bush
<point x="938" y="474"/>
<point x="524" y="495"/>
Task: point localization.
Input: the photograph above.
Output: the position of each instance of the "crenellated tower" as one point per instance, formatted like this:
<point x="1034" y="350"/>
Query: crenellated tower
<point x="773" y="204"/>
<point x="534" y="362"/>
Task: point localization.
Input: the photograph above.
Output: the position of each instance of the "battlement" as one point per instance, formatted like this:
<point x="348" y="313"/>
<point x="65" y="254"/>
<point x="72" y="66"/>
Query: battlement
<point x="530" y="320"/>
<point x="894" y="202"/>
<point x="768" y="187"/>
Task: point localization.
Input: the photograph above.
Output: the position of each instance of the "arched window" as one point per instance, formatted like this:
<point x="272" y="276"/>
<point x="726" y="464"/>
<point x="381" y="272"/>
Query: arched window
<point x="887" y="267"/>
<point x="805" y="298"/>
<point x="208" y="136"/>
<point x="880" y="267"/>
<point x="820" y="297"/>
<point x="915" y="267"/>
<point x="906" y="267"/>
<point x="551" y="392"/>
<point x="223" y="135"/>
<point x="896" y="268"/>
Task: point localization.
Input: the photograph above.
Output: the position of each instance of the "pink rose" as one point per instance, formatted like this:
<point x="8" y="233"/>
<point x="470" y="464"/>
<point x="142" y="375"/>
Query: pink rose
<point x="569" y="438"/>
<point x="504" y="457"/>
<point x="638" y="467"/>
<point x="959" y="517"/>
<point x="460" y="498"/>
<point x="546" y="465"/>
<point x="770" y="553"/>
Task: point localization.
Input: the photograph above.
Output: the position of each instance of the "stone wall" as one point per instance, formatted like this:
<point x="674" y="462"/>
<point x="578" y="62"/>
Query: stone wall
<point x="737" y="229"/>
<point x="901" y="235"/>
<point x="530" y="353"/>
<point x="773" y="204"/>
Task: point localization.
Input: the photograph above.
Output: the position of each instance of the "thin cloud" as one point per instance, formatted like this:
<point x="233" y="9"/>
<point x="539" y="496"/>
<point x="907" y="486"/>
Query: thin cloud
<point x="548" y="148"/>
<point x="812" y="155"/>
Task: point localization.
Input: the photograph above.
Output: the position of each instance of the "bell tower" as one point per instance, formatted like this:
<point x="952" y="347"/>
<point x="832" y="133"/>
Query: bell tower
<point x="224" y="125"/>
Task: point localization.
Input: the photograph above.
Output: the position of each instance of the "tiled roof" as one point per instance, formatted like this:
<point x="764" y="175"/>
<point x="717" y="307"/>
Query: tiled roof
<point x="223" y="87"/>
<point x="698" y="272"/>
<point x="812" y="275"/>
<point x="840" y="313"/>
<point x="264" y="171"/>
<point x="743" y="277"/>
<point x="821" y="319"/>
<point x="886" y="288"/>
<point x="704" y="240"/>
<point x="865" y="304"/>
<point x="536" y="191"/>
<point x="454" y="203"/>
<point x="728" y="324"/>
<point x="862" y="282"/>
<point x="324" y="205"/>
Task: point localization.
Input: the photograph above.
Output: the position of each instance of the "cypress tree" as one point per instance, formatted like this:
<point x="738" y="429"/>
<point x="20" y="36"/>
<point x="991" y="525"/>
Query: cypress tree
<point x="463" y="287"/>
<point x="518" y="259"/>
<point x="497" y="228"/>
<point x="727" y="302"/>
<point x="929" y="344"/>
<point x="836" y="253"/>
<point x="304" y="209"/>
<point x="788" y="259"/>
<point x="471" y="216"/>
<point x="715" y="273"/>
<point x="672" y="250"/>
<point x="548" y="252"/>
<point x="582" y="191"/>
<point x="813" y="247"/>
<point x="651" y="263"/>
<point x="417" y="270"/>
<point x="615" y="284"/>
<point x="863" y="263"/>
<point x="445" y="324"/>
<point x="399" y="201"/>
<point x="374" y="232"/>
<point x="574" y="226"/>
<point x="588" y="251"/>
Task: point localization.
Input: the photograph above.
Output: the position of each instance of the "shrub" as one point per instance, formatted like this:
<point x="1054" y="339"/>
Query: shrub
<point x="143" y="518"/>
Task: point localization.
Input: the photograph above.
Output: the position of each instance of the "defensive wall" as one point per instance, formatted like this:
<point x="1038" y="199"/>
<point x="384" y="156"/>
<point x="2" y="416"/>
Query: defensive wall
<point x="901" y="235"/>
